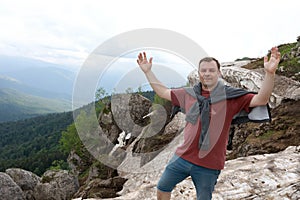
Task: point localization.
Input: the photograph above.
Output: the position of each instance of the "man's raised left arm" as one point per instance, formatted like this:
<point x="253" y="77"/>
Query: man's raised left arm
<point x="270" y="66"/>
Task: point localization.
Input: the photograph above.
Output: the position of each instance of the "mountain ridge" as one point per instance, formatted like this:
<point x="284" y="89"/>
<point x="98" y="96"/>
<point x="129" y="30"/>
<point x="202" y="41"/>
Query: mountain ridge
<point x="43" y="87"/>
<point x="16" y="105"/>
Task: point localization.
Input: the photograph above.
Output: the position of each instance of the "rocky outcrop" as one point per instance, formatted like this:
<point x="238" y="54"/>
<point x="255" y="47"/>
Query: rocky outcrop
<point x="20" y="184"/>
<point x="292" y="56"/>
<point x="101" y="182"/>
<point x="135" y="163"/>
<point x="56" y="185"/>
<point x="26" y="180"/>
<point x="121" y="122"/>
<point x="128" y="111"/>
<point x="97" y="188"/>
<point x="267" y="176"/>
<point x="283" y="131"/>
<point x="284" y="88"/>
<point x="9" y="190"/>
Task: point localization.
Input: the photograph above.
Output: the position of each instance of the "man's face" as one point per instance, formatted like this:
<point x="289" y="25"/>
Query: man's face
<point x="209" y="74"/>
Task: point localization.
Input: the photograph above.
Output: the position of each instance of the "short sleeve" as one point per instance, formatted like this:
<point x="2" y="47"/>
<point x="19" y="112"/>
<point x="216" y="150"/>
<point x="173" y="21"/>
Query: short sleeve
<point x="178" y="97"/>
<point x="243" y="102"/>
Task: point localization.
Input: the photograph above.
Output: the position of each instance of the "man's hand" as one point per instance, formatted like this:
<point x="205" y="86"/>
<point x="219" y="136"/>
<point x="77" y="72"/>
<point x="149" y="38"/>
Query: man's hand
<point x="266" y="88"/>
<point x="272" y="64"/>
<point x="143" y="62"/>
<point x="159" y="88"/>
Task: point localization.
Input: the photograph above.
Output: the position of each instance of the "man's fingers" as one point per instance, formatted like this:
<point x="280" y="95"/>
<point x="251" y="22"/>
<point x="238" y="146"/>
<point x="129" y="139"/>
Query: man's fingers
<point x="274" y="51"/>
<point x="145" y="57"/>
<point x="278" y="55"/>
<point x="140" y="56"/>
<point x="266" y="59"/>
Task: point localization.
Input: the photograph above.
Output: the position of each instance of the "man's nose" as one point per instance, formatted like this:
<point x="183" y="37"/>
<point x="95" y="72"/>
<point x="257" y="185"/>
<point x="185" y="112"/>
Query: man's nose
<point x="206" y="73"/>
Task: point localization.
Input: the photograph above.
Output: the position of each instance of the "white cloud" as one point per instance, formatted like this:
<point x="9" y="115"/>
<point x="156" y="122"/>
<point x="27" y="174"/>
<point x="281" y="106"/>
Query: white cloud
<point x="67" y="31"/>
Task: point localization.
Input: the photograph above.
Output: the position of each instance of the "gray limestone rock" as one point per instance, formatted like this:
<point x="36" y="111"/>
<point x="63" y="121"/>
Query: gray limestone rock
<point x="9" y="190"/>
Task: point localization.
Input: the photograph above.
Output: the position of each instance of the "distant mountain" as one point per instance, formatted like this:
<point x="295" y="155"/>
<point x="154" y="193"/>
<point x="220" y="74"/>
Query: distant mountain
<point x="15" y="105"/>
<point x="12" y="83"/>
<point x="30" y="87"/>
<point x="38" y="77"/>
<point x="16" y="63"/>
<point x="53" y="80"/>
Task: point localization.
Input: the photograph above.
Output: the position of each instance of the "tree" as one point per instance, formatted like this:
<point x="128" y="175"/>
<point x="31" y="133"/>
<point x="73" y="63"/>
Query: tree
<point x="139" y="90"/>
<point x="100" y="93"/>
<point x="70" y="140"/>
<point x="129" y="90"/>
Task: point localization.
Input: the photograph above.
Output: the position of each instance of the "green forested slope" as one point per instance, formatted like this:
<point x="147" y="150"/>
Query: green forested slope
<point x="33" y="144"/>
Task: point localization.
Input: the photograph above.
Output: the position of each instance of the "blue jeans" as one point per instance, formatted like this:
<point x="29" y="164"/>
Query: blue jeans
<point x="179" y="169"/>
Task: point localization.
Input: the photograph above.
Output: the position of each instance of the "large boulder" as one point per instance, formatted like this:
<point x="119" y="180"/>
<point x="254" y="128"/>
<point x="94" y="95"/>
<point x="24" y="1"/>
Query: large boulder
<point x="56" y="185"/>
<point x="9" y="190"/>
<point x="100" y="188"/>
<point x="284" y="87"/>
<point x="267" y="176"/>
<point x="147" y="159"/>
<point x="128" y="111"/>
<point x="25" y="180"/>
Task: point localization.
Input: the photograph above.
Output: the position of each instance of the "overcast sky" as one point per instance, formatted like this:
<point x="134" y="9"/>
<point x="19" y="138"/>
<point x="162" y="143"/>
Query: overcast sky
<point x="66" y="32"/>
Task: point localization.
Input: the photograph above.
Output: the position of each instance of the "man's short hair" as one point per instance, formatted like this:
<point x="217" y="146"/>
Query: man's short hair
<point x="209" y="59"/>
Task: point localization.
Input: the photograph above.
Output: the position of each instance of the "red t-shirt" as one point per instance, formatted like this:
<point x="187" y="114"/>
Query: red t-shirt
<point x="221" y="114"/>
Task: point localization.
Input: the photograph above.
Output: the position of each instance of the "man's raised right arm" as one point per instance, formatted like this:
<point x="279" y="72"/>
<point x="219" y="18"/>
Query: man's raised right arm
<point x="159" y="88"/>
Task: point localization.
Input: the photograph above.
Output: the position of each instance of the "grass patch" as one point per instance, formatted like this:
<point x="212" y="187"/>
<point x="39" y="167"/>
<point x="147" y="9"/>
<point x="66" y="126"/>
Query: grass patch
<point x="286" y="48"/>
<point x="267" y="135"/>
<point x="290" y="67"/>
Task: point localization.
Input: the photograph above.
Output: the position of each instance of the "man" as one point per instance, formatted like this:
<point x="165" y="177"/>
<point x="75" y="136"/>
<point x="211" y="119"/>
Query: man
<point x="210" y="108"/>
